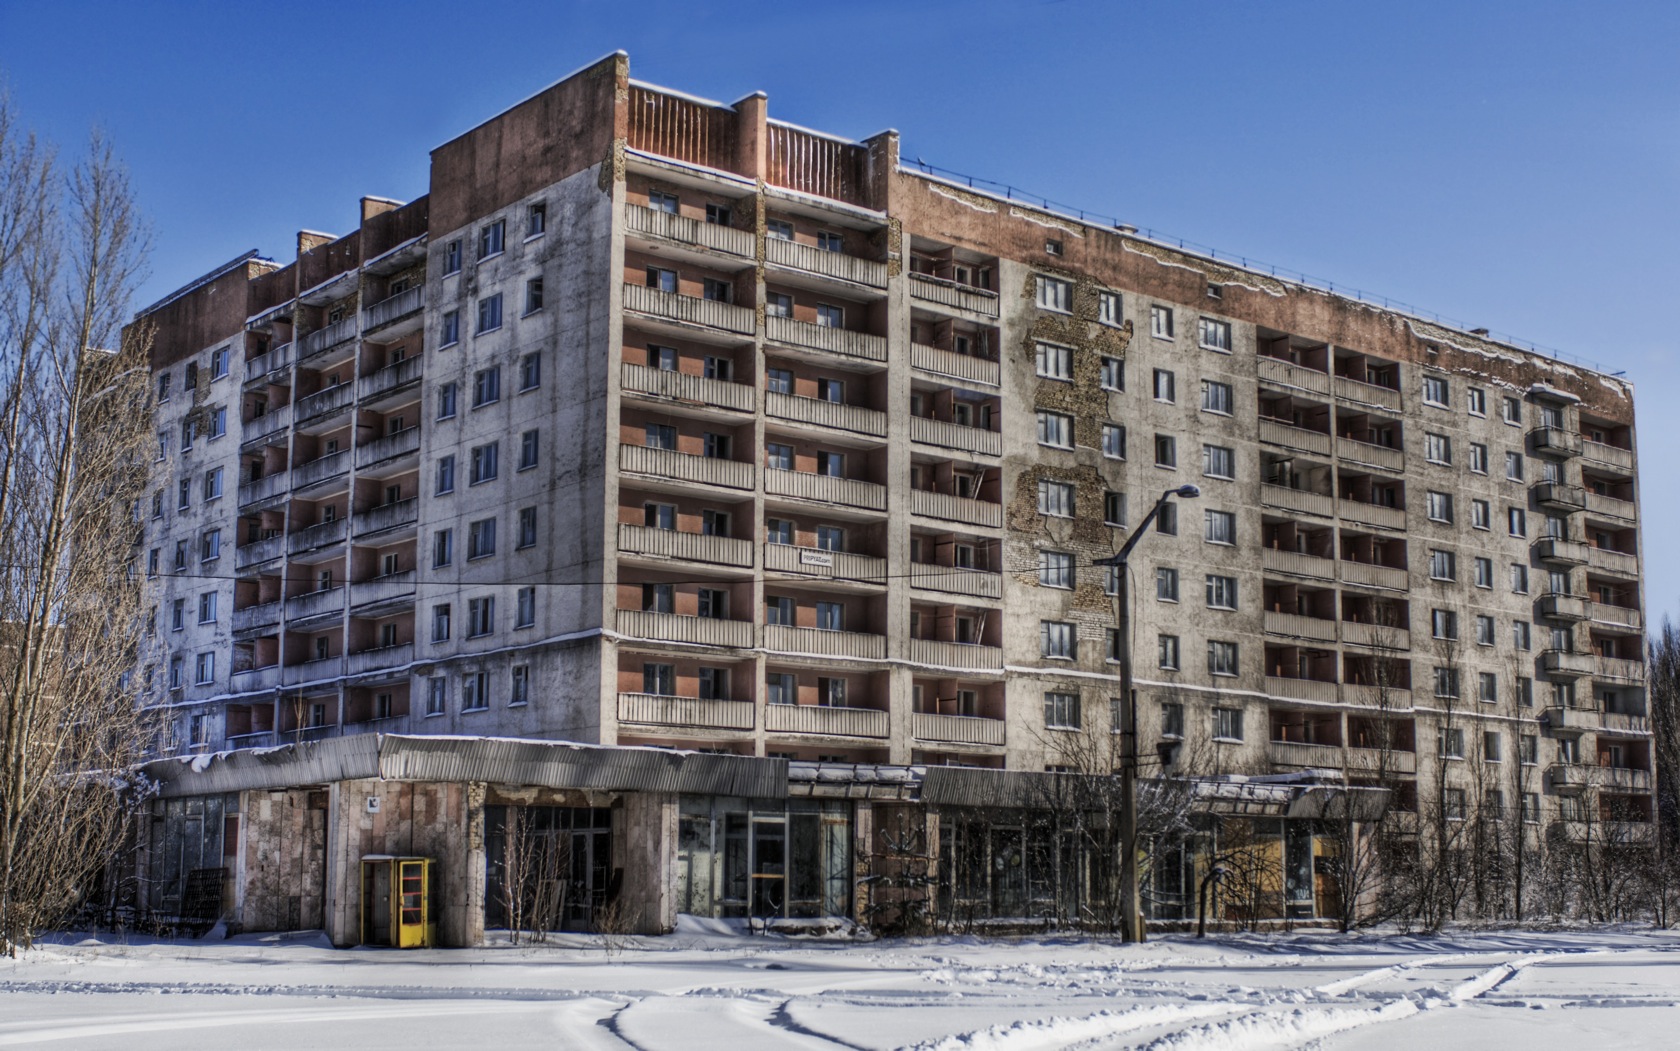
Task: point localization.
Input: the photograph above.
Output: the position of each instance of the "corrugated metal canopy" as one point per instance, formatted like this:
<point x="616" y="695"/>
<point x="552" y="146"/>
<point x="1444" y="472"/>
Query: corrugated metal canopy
<point x="287" y="766"/>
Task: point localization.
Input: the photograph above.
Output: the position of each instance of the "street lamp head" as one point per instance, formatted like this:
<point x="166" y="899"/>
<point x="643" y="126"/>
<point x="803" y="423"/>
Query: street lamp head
<point x="1188" y="492"/>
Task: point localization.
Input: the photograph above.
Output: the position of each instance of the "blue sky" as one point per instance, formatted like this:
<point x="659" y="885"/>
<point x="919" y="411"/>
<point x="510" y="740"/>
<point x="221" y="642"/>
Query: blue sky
<point x="1507" y="165"/>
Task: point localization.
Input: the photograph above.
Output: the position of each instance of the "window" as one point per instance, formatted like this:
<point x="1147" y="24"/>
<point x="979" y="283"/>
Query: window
<point x="530" y="372"/>
<point x="1055" y="429"/>
<point x="437" y="695"/>
<point x="779" y="610"/>
<point x="1166" y="520"/>
<point x="830" y="316"/>
<point x="1442" y="566"/>
<point x="1214" y="335"/>
<point x="525" y="607"/>
<point x="1061" y="711"/>
<point x="519" y="689"/>
<point x="1166" y="584"/>
<point x="660" y="201"/>
<point x="1439" y="506"/>
<point x="1435" y="391"/>
<point x="831" y="464"/>
<point x="1484" y="630"/>
<point x="533" y="295"/>
<point x="451" y="329"/>
<point x="1055" y="569"/>
<point x="1514" y="466"/>
<point x="1487" y="687"/>
<point x="443" y="547"/>
<point x="446" y="399"/>
<point x="481" y="617"/>
<point x="1113" y="373"/>
<point x="1481" y="515"/>
<point x="452" y="257"/>
<point x="1055" y="498"/>
<point x="1113" y="440"/>
<point x="1108" y="309"/>
<point x="1221" y="527"/>
<point x="779" y="456"/>
<point x="481" y="538"/>
<point x="190" y="380"/>
<point x="527" y="450"/>
<point x="536" y="219"/>
<point x="1443" y="624"/>
<point x="1055" y="361"/>
<point x="1172" y="719"/>
<point x="207" y="608"/>
<point x="1166" y="386"/>
<point x="1216" y="397"/>
<point x="440" y="622"/>
<point x="1054" y="294"/>
<point x="1528" y="749"/>
<point x="490" y="239"/>
<point x="713" y="603"/>
<point x="188" y="431"/>
<point x="1437" y="448"/>
<point x="1484" y="572"/>
<point x="1478" y="458"/>
<point x="1219" y="462"/>
<point x="716" y="368"/>
<point x="1052" y="248"/>
<point x="1161" y="322"/>
<point x="1222" y="658"/>
<point x="1516" y="520"/>
<point x="1227" y="724"/>
<point x="163" y="387"/>
<point x="490" y="313"/>
<point x="1446" y="682"/>
<point x="218" y="422"/>
<point x="1519" y="578"/>
<point x="831" y="390"/>
<point x="180" y="555"/>
<point x="831" y="616"/>
<point x="213" y="484"/>
<point x="1221" y="592"/>
<point x="484" y="462"/>
<point x="1511" y="410"/>
<point x="1449" y="740"/>
<point x="206" y="668"/>
<point x="829" y="241"/>
<point x="661" y="279"/>
<point x="487" y="386"/>
<point x="658" y="598"/>
<point x="781" y="688"/>
<point x="1476" y="401"/>
<point x="527" y="527"/>
<point x="446" y="475"/>
<point x="1114" y="509"/>
<point x="218" y="363"/>
<point x="1166" y="451"/>
<point x="1057" y="639"/>
<point x="183" y="494"/>
<point x="176" y="673"/>
<point x="475" y="691"/>
<point x="1522" y="635"/>
<point x="210" y="545"/>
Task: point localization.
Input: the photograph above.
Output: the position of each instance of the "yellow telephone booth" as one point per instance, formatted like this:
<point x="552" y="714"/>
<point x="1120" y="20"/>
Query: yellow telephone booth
<point x="397" y="902"/>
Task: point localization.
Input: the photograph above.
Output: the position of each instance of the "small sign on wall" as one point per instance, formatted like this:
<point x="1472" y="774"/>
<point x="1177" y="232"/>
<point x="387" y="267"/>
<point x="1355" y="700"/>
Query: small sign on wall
<point x="373" y="804"/>
<point x="816" y="558"/>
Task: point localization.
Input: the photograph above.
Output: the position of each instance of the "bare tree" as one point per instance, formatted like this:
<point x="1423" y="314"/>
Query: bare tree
<point x="1664" y="694"/>
<point x="73" y="432"/>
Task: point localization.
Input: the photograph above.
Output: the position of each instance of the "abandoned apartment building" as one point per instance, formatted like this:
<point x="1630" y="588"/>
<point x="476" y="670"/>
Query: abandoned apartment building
<point x="715" y="496"/>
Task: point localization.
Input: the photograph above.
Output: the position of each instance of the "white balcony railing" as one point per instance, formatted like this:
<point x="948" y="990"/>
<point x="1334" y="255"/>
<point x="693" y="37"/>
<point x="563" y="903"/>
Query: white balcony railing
<point x="671" y="627"/>
<point x="783" y="638"/>
<point x="379" y="659"/>
<point x="390" y="378"/>
<point x="956" y="729"/>
<point x="316" y="536"/>
<point x="860" y="345"/>
<point x="1610" y="507"/>
<point x="1608" y="455"/>
<point x="1349" y="389"/>
<point x="325" y="402"/>
<point x="687" y="547"/>
<point x="1300" y="689"/>
<point x="321" y="469"/>
<point x="1372" y="514"/>
<point x="259" y="551"/>
<point x="955" y="508"/>
<point x="386" y="516"/>
<point x="313" y="604"/>
<point x="690" y="310"/>
<point x="390" y="589"/>
<point x="957" y="366"/>
<point x="263" y="488"/>
<point x="405" y="442"/>
<point x="325" y="339"/>
<point x="955" y="436"/>
<point x="1301" y="754"/>
<point x="956" y="655"/>
<point x="829" y="264"/>
<point x="263" y="615"/>
<point x="270" y="423"/>
<point x="651" y="709"/>
<point x="930" y="289"/>
<point x="1377" y="636"/>
<point x="1287" y="374"/>
<point x="394" y="308"/>
<point x="810" y="561"/>
<point x="821" y="719"/>
<point x="1276" y="432"/>
<point x="680" y="386"/>
<point x="1375" y="576"/>
<point x="807" y="485"/>
<point x="1296" y="500"/>
<point x="683" y="467"/>
<point x="954" y="580"/>
<point x="1379" y="456"/>
<point x="1297" y="564"/>
<point x="654" y="223"/>
<point x="1296" y="626"/>
<point x="828" y="414"/>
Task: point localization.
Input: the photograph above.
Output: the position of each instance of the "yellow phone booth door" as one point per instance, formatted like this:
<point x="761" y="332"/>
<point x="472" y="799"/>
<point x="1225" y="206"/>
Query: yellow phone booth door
<point x="413" y="905"/>
<point x="397" y="902"/>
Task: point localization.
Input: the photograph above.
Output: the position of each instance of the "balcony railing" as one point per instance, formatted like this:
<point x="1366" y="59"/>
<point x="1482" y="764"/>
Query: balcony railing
<point x="829" y="264"/>
<point x="955" y="508"/>
<point x="325" y="339"/>
<point x="390" y="589"/>
<point x="263" y="488"/>
<point x="957" y="366"/>
<point x="1349" y="389"/>
<point x="1557" y="550"/>
<point x="956" y="729"/>
<point x="378" y="659"/>
<point x="1277" y="432"/>
<point x="671" y="627"/>
<point x="1372" y="514"/>
<point x="1301" y="754"/>
<point x="1286" y="374"/>
<point x="272" y="422"/>
<point x="1555" y="441"/>
<point x="1619" y="619"/>
<point x="955" y="436"/>
<point x="1623" y="723"/>
<point x="1608" y="455"/>
<point x="1296" y="500"/>
<point x="405" y="442"/>
<point x="263" y="615"/>
<point x="1375" y="576"/>
<point x="273" y="360"/>
<point x="1610" y="507"/>
<point x="682" y="467"/>
<point x="688" y="547"/>
<point x="1563" y="607"/>
<point x="325" y="402"/>
<point x="320" y="469"/>
<point x="386" y="516"/>
<point x="315" y="604"/>
<point x="259" y="739"/>
<point x="1566" y="663"/>
<point x="652" y="709"/>
<point x="1377" y="760"/>
<point x="964" y="655"/>
<point x="318" y="535"/>
<point x="312" y="671"/>
<point x="1377" y="636"/>
<point x="1624" y="778"/>
<point x="680" y="386"/>
<point x="784" y="638"/>
<point x="1297" y="564"/>
<point x="691" y="310"/>
<point x="1559" y="496"/>
<point x="655" y="223"/>
<point x="1619" y="669"/>
<point x="1566" y="717"/>
<point x="826" y="414"/>
<point x="1607" y="560"/>
<point x="954" y="580"/>
<point x="860" y="345"/>
<point x="1296" y="626"/>
<point x="394" y="308"/>
<point x="259" y="551"/>
<point x="930" y="289"/>
<point x="1300" y="689"/>
<point x="255" y="680"/>
<point x="821" y="719"/>
<point x="810" y="561"/>
<point x="1379" y="456"/>
<point x="391" y="378"/>
<point x="807" y="485"/>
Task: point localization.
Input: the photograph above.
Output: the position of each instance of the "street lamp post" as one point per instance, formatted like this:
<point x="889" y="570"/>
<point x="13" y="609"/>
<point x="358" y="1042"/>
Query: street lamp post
<point x="1132" y="928"/>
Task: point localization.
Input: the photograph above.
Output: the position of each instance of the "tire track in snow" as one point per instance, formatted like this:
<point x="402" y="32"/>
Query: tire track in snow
<point x="1268" y="1030"/>
<point x="1059" y="1032"/>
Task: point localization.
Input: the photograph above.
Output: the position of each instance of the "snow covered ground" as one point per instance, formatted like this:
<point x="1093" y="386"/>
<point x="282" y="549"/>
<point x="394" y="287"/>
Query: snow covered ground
<point x="708" y="987"/>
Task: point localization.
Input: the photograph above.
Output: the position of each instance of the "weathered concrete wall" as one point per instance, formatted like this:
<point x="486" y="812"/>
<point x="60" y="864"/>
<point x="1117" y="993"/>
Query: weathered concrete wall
<point x="283" y="863"/>
<point x="645" y="849"/>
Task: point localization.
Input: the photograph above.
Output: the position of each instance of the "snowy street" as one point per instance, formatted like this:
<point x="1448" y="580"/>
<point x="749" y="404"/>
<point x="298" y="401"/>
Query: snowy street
<point x="704" y="988"/>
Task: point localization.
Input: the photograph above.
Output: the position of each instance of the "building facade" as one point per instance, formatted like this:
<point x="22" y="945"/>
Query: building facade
<point x="659" y="422"/>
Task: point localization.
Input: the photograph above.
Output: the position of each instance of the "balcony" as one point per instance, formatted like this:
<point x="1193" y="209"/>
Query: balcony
<point x="1372" y="514"/>
<point x="1619" y="833"/>
<point x="1370" y="696"/>
<point x="821" y="719"/>
<point x="1555" y="441"/>
<point x="845" y="342"/>
<point x="271" y="423"/>
<point x="1296" y="564"/>
<point x="386" y="516"/>
<point x="390" y="379"/>
<point x="1300" y="689"/>
<point x="1559" y="496"/>
<point x="1280" y="373"/>
<point x="321" y="469"/>
<point x="955" y="436"/>
<point x="1618" y="669"/>
<point x="1566" y="664"/>
<point x="784" y="638"/>
<point x="1296" y="626"/>
<point x="1301" y="755"/>
<point x="1617" y="620"/>
<point x="807" y="485"/>
<point x="260" y="739"/>
<point x="1623" y="723"/>
<point x="1375" y="576"/>
<point x="405" y="442"/>
<point x="682" y="467"/>
<point x="680" y="386"/>
<point x="259" y="551"/>
<point x="956" y="366"/>
<point x="1295" y="500"/>
<point x="954" y="580"/>
<point x="316" y="536"/>
<point x="961" y="655"/>
<point x="273" y="360"/>
<point x="828" y="264"/>
<point x="323" y="340"/>
<point x="312" y="671"/>
<point x="956" y="729"/>
<point x="651" y="222"/>
<point x="264" y="488"/>
<point x="255" y="680"/>
<point x="1609" y="561"/>
<point x="1624" y="778"/>
<point x="1568" y="776"/>
<point x="379" y="659"/>
<point x="313" y="604"/>
<point x="1369" y="394"/>
<point x="1277" y="432"/>
<point x="1571" y="608"/>
<point x="1563" y="718"/>
<point x="838" y="565"/>
<point x="689" y="310"/>
<point x="1610" y="507"/>
<point x="687" y="547"/>
<point x="950" y="508"/>
<point x="1608" y="455"/>
<point x="827" y="414"/>
<point x="1378" y="456"/>
<point x="1558" y="551"/>
<point x="395" y="308"/>
<point x="325" y="402"/>
<point x="930" y="289"/>
<point x="651" y="709"/>
<point x="670" y="627"/>
<point x="392" y="589"/>
<point x="251" y="618"/>
<point x="1376" y="636"/>
<point x="1375" y="761"/>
